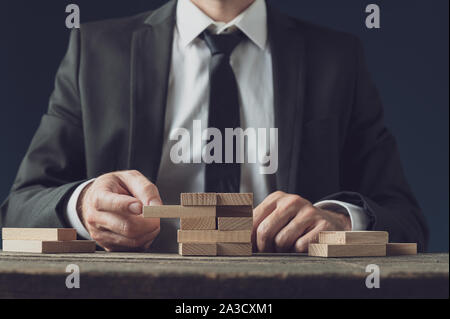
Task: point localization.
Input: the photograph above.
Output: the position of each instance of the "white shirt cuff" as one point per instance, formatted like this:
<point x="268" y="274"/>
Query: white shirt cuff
<point x="359" y="218"/>
<point x="72" y="213"/>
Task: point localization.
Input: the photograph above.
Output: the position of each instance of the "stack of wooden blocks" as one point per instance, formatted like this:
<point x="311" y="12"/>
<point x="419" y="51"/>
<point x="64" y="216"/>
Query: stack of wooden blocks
<point x="211" y="224"/>
<point x="44" y="241"/>
<point x="359" y="244"/>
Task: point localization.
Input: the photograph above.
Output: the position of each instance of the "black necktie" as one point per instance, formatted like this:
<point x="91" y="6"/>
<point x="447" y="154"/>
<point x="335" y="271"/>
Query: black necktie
<point x="224" y="110"/>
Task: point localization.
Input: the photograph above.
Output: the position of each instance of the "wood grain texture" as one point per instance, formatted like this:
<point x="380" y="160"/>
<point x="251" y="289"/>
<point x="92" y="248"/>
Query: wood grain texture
<point x="198" y="223"/>
<point x="43" y="234"/>
<point x="234" y="211"/>
<point x="49" y="247"/>
<point x="401" y="249"/>
<point x="198" y="199"/>
<point x="270" y="276"/>
<point x="168" y="211"/>
<point x="235" y="199"/>
<point x="234" y="223"/>
<point x="232" y="249"/>
<point x="196" y="249"/>
<point x="353" y="237"/>
<point x="326" y="250"/>
<point x="214" y="236"/>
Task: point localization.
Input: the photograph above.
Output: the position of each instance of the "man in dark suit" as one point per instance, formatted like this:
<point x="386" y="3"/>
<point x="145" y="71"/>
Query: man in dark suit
<point x="126" y="87"/>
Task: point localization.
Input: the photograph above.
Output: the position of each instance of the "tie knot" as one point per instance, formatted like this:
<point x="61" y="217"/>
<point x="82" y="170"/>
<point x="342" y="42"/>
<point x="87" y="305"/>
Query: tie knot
<point x="222" y="43"/>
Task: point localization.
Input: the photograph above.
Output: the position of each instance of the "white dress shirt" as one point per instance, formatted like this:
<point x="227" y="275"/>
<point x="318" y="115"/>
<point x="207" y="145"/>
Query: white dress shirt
<point x="188" y="100"/>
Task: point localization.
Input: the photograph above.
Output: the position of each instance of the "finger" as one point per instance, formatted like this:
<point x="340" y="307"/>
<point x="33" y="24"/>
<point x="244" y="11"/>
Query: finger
<point x="111" y="202"/>
<point x="141" y="188"/>
<point x="302" y="244"/>
<point x="269" y="227"/>
<point x="263" y="210"/>
<point x="115" y="242"/>
<point x="286" y="237"/>
<point x="266" y="207"/>
<point x="129" y="226"/>
<point x="112" y="183"/>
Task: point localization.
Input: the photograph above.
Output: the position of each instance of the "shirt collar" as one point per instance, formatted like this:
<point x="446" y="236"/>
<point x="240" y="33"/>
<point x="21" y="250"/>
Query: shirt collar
<point x="191" y="22"/>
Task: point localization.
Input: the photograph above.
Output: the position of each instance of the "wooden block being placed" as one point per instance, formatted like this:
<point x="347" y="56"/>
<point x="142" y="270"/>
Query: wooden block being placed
<point x="198" y="223"/>
<point x="214" y="236"/>
<point x="353" y="237"/>
<point x="326" y="250"/>
<point x="179" y="211"/>
<point x="235" y="199"/>
<point x="399" y="249"/>
<point x="235" y="223"/>
<point x="234" y="211"/>
<point x="196" y="249"/>
<point x="198" y="199"/>
<point x="227" y="249"/>
<point x="49" y="247"/>
<point x="43" y="234"/>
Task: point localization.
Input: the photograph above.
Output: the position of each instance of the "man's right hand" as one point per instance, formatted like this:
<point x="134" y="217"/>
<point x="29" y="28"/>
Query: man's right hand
<point x="111" y="210"/>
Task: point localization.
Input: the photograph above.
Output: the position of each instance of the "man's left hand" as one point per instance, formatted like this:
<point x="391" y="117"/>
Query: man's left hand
<point x="289" y="223"/>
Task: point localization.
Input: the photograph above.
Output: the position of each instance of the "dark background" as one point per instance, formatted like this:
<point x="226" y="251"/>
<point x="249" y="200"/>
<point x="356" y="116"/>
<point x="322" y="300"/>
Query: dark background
<point x="408" y="58"/>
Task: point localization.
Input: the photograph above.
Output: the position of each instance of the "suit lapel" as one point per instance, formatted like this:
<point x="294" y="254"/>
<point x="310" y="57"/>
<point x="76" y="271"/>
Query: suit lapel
<point x="288" y="56"/>
<point x="150" y="68"/>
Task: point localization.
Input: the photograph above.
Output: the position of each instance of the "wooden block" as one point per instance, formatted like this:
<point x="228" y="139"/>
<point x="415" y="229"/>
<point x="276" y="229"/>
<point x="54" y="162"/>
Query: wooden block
<point x="353" y="237"/>
<point x="214" y="236"/>
<point x="399" y="249"/>
<point x="234" y="211"/>
<point x="235" y="199"/>
<point x="227" y="249"/>
<point x="49" y="247"/>
<point x="198" y="223"/>
<point x="235" y="223"/>
<point x="179" y="211"/>
<point x="196" y="249"/>
<point x="326" y="250"/>
<point x="43" y="234"/>
<point x="198" y="199"/>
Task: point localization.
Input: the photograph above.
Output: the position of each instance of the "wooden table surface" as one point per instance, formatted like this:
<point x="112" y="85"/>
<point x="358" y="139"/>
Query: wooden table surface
<point x="133" y="275"/>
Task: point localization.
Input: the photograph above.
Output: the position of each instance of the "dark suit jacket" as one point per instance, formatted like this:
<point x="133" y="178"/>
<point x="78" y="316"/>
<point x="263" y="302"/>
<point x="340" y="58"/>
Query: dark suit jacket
<point x="108" y="107"/>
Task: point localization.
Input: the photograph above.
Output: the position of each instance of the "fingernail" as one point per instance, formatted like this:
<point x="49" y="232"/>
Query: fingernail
<point x="135" y="208"/>
<point x="155" y="202"/>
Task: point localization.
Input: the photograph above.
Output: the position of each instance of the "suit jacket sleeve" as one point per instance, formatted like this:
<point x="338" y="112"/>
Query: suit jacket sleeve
<point x="54" y="164"/>
<point x="372" y="170"/>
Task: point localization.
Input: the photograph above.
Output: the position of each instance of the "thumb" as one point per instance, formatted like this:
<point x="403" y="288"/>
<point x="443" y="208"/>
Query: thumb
<point x="141" y="188"/>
